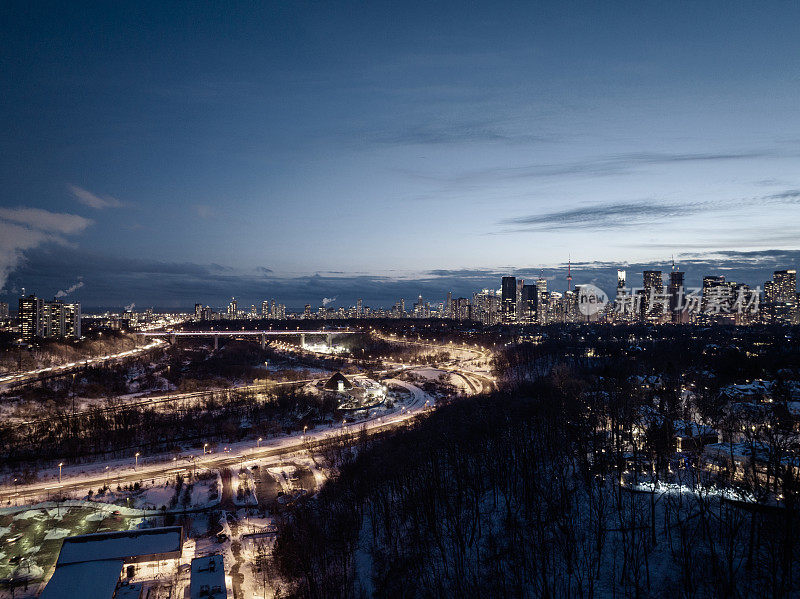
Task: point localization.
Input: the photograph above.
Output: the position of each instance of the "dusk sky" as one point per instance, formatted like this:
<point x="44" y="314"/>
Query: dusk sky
<point x="167" y="153"/>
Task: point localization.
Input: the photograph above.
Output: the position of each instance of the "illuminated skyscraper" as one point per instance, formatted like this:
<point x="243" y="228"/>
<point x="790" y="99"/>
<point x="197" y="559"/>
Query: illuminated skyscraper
<point x="781" y="297"/>
<point x="530" y="297"/>
<point x="509" y="299"/>
<point x="653" y="288"/>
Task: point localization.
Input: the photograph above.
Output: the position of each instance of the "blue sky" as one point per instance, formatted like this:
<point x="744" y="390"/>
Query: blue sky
<point x="170" y="153"/>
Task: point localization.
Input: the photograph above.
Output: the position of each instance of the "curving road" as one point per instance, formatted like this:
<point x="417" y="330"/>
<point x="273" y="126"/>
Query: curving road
<point x="73" y="480"/>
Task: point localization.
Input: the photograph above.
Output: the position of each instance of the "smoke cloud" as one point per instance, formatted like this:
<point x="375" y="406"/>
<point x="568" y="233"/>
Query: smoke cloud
<point x="65" y="293"/>
<point x="328" y="300"/>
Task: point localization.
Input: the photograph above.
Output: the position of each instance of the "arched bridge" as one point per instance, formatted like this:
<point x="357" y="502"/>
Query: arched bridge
<point x="173" y="335"/>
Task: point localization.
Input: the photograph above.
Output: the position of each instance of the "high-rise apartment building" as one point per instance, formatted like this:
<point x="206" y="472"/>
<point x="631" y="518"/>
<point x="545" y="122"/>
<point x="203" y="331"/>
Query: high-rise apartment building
<point x="48" y="319"/>
<point x="3" y="310"/>
<point x="486" y="307"/>
<point x="31" y="321"/>
<point x="780" y="295"/>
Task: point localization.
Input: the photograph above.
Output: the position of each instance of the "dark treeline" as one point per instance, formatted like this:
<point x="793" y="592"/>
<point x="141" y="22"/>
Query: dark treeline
<point x="551" y="489"/>
<point x="728" y="354"/>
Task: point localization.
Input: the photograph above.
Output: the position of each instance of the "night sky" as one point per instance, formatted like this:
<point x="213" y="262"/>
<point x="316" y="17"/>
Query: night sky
<point x="166" y="153"/>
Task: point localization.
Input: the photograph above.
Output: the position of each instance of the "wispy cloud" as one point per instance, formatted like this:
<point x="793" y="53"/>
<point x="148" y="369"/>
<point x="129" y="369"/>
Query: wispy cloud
<point x="92" y="200"/>
<point x="22" y="229"/>
<point x="604" y="216"/>
<point x="455" y="133"/>
<point x="614" y="164"/>
<point x="44" y="220"/>
<point x="616" y="215"/>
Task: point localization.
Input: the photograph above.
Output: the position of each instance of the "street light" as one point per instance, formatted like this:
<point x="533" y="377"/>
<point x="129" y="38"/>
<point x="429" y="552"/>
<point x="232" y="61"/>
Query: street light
<point x="204" y="448"/>
<point x="258" y="442"/>
<point x="59" y="471"/>
<point x="136" y="457"/>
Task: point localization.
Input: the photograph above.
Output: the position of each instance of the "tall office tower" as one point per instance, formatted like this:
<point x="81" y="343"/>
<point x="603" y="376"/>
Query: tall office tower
<point x="30" y="317"/>
<point x="233" y="308"/>
<point x="359" y="308"/>
<point x="253" y="311"/>
<point x="530" y="297"/>
<point x="520" y="285"/>
<point x="402" y="307"/>
<point x="621" y="279"/>
<point x="541" y="300"/>
<point x="307" y="311"/>
<point x="508" y="295"/>
<point x="3" y="310"/>
<point x="675" y="293"/>
<point x="205" y="313"/>
<point x="653" y="287"/>
<point x="265" y="309"/>
<point x="272" y="310"/>
<point x="448" y="305"/>
<point x="198" y="311"/>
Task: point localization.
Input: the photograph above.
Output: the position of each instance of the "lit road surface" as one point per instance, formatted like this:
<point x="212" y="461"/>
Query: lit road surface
<point x="20" y="378"/>
<point x="79" y="478"/>
<point x="123" y="472"/>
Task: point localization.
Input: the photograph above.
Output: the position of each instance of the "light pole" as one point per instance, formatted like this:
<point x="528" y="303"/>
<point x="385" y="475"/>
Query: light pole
<point x="59" y="471"/>
<point x="204" y="448"/>
<point x="258" y="442"/>
<point x="136" y="457"/>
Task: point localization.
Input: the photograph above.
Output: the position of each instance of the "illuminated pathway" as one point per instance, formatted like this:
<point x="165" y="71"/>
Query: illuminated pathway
<point x="22" y="378"/>
<point x="81" y="477"/>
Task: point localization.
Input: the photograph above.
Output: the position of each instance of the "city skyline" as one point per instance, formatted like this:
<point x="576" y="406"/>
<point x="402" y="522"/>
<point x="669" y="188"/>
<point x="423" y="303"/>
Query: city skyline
<point x="216" y="286"/>
<point x="384" y="151"/>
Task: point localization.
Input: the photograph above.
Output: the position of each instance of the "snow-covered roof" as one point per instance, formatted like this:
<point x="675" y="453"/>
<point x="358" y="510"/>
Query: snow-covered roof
<point x="126" y="545"/>
<point x="684" y="428"/>
<point x="208" y="578"/>
<point x="86" y="579"/>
